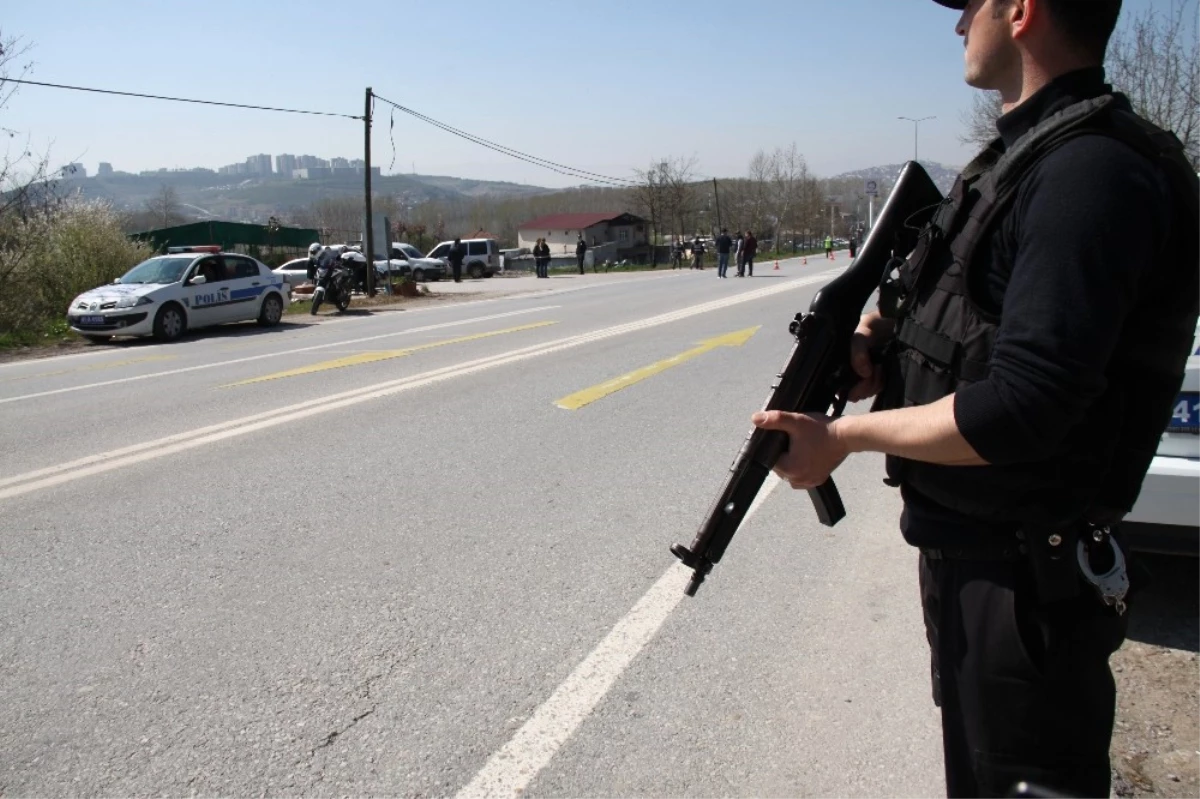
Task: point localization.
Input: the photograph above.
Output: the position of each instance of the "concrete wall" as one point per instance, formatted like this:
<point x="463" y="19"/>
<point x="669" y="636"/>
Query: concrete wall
<point x="562" y="242"/>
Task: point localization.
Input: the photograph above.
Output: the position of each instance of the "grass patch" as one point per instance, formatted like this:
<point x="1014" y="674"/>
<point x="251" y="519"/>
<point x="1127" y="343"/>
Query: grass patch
<point x="56" y="331"/>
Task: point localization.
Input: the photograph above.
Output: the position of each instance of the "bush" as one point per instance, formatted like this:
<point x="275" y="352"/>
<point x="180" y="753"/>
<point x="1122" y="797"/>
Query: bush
<point x="52" y="254"/>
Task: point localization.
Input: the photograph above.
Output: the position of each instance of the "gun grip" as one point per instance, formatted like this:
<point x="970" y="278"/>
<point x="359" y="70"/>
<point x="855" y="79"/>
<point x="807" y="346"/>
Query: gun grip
<point x="828" y="503"/>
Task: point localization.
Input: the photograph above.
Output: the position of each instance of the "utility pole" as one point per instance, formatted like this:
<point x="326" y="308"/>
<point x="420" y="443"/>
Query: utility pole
<point x="368" y="232"/>
<point x="717" y="197"/>
<point x="916" y="131"/>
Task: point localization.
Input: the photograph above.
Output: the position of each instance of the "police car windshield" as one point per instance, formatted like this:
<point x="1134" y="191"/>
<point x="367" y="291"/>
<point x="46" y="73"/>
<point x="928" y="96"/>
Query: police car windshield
<point x="158" y="270"/>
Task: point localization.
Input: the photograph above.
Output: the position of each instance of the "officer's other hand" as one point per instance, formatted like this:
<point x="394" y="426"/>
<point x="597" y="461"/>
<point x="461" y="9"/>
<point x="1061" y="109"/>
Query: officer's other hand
<point x="872" y="334"/>
<point x="813" y="450"/>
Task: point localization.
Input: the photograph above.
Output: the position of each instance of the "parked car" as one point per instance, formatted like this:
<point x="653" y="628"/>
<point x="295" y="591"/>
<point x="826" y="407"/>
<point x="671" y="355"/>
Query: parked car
<point x="412" y="263"/>
<point x="188" y="288"/>
<point x="483" y="256"/>
<point x="1164" y="519"/>
<point x="295" y="272"/>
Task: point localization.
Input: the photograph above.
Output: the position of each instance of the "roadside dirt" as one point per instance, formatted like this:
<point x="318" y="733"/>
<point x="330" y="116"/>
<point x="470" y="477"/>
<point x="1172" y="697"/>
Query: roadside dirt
<point x="1156" y="742"/>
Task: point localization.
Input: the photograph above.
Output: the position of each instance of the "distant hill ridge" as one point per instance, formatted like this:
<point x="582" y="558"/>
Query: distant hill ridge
<point x="943" y="176"/>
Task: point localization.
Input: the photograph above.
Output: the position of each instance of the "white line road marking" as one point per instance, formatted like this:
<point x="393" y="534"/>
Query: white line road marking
<point x="515" y="765"/>
<point x="277" y="354"/>
<point x="50" y="476"/>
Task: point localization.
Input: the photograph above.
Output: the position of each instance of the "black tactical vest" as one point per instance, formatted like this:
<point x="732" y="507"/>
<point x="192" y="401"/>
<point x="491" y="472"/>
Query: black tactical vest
<point x="944" y="338"/>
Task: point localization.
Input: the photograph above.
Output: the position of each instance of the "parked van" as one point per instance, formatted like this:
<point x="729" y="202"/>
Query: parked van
<point x="483" y="256"/>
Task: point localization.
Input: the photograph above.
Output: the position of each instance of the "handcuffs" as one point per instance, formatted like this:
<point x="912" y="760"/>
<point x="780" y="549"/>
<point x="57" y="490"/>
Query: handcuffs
<point x="1112" y="585"/>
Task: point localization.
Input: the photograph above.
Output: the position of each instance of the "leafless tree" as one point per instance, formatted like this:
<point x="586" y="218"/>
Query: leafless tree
<point x="1155" y="60"/>
<point x="13" y="59"/>
<point x="164" y="207"/>
<point x="23" y="174"/>
<point x="793" y="190"/>
<point x="682" y="196"/>
<point x="979" y="122"/>
<point x="650" y="198"/>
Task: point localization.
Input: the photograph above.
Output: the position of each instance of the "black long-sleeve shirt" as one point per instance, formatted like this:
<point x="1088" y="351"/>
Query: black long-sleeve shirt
<point x="1063" y="268"/>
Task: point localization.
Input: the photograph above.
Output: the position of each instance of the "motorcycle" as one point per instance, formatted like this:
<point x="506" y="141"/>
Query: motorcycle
<point x="334" y="283"/>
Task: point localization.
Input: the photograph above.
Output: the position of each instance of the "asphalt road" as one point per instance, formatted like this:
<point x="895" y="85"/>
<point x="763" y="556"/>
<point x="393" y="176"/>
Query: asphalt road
<point x="373" y="556"/>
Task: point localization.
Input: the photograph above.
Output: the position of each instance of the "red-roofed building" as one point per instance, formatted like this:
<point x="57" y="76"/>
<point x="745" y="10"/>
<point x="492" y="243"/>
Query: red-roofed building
<point x="562" y="231"/>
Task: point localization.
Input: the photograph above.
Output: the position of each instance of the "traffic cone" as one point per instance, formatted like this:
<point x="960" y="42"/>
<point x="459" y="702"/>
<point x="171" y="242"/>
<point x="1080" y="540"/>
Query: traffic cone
<point x="777" y="266"/>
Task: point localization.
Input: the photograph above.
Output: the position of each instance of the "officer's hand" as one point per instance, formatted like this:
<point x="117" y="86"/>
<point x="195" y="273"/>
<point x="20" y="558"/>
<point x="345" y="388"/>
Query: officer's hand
<point x="813" y="450"/>
<point x="873" y="333"/>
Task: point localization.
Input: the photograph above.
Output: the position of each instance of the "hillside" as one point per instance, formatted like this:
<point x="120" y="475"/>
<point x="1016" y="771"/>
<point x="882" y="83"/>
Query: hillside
<point x="205" y="194"/>
<point x="943" y="176"/>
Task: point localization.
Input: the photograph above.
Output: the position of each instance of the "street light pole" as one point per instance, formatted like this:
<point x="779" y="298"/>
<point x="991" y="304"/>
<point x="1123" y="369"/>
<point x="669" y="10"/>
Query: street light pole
<point x="916" y="131"/>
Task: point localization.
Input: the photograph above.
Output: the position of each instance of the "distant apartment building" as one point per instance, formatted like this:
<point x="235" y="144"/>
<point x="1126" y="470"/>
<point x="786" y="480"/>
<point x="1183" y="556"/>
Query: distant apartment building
<point x="259" y="164"/>
<point x="358" y="163"/>
<point x="311" y="162"/>
<point x="284" y="164"/>
<point x="105" y="170"/>
<point x="311" y="173"/>
<point x="339" y="163"/>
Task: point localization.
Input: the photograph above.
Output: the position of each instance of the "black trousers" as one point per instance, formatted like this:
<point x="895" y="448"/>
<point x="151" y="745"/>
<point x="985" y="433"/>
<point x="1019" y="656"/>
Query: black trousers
<point x="1024" y="688"/>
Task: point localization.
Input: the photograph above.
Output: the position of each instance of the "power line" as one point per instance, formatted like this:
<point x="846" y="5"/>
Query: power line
<point x="177" y="99"/>
<point x="553" y="166"/>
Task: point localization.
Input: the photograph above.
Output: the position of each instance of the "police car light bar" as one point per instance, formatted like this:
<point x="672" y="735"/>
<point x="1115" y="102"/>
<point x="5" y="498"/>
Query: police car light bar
<point x="197" y="248"/>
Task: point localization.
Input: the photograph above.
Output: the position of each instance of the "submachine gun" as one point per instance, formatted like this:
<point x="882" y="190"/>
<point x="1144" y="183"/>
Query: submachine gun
<point x="818" y="375"/>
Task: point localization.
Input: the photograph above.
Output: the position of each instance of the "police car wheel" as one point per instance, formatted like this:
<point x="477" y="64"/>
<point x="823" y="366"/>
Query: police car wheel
<point x="418" y="275"/>
<point x="169" y="322"/>
<point x="476" y="271"/>
<point x="272" y="311"/>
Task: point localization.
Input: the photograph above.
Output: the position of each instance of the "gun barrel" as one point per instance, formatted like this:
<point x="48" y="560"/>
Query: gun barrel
<point x="817" y="369"/>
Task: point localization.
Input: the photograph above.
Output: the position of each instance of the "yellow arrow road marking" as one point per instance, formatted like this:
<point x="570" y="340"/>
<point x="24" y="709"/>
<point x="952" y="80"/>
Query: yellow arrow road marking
<point x="589" y="395"/>
<point x="94" y="367"/>
<point x="382" y="355"/>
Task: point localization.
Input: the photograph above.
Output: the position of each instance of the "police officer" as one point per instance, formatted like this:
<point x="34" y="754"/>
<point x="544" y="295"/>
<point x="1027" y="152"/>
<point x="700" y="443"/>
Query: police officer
<point x="580" y="251"/>
<point x="1033" y="351"/>
<point x="456" y="256"/>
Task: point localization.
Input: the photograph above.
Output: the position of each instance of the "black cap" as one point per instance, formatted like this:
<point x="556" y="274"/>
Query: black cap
<point x="957" y="5"/>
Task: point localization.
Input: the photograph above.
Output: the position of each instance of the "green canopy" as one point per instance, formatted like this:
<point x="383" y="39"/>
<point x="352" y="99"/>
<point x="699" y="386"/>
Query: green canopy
<point x="228" y="235"/>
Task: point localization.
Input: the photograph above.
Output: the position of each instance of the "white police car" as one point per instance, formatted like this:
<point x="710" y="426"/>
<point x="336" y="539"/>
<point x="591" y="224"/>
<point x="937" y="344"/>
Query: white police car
<point x="1166" y="517"/>
<point x="189" y="287"/>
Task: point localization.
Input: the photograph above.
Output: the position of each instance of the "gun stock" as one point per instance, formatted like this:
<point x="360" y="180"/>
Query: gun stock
<point x="817" y="374"/>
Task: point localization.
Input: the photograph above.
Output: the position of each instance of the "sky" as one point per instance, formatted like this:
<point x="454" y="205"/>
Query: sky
<point x="605" y="87"/>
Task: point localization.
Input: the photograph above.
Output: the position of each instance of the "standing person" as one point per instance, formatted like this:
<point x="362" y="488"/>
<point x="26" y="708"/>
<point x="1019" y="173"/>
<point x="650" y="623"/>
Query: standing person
<point x="750" y="249"/>
<point x="740" y="253"/>
<point x="724" y="246"/>
<point x="829" y="246"/>
<point x="456" y="256"/>
<point x="697" y="253"/>
<point x="1027" y="392"/>
<point x="853" y="246"/>
<point x="537" y="258"/>
<point x="580" y="251"/>
<point x="677" y="253"/>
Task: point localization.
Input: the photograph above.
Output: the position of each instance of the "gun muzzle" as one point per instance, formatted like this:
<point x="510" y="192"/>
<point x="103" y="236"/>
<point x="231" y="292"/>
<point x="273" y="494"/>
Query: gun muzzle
<point x="699" y="565"/>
